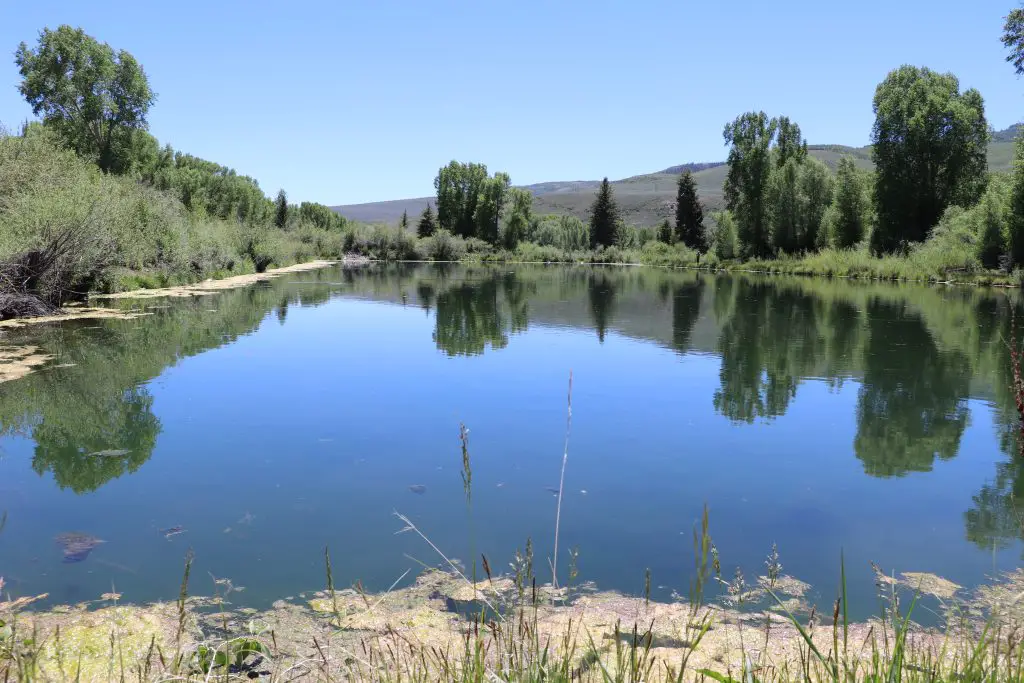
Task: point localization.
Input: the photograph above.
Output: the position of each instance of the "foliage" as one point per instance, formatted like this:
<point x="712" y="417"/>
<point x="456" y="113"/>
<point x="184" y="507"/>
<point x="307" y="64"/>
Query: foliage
<point x="1015" y="223"/>
<point x="403" y="223"/>
<point x="848" y="221"/>
<point x="320" y="216"/>
<point x="724" y="241"/>
<point x="604" y="217"/>
<point x="94" y="97"/>
<point x="443" y="246"/>
<point x="520" y="216"/>
<point x="491" y="205"/>
<point x="427" y="224"/>
<point x="567" y="233"/>
<point x="929" y="143"/>
<point x="458" y="189"/>
<point x="281" y="210"/>
<point x="1013" y="39"/>
<point x="815" y="187"/>
<point x="747" y="184"/>
<point x="665" y="234"/>
<point x="690" y="228"/>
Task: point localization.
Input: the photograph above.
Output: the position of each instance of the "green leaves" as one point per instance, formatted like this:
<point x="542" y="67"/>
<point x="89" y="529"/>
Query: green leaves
<point x="91" y="95"/>
<point x="929" y="150"/>
<point x="233" y="653"/>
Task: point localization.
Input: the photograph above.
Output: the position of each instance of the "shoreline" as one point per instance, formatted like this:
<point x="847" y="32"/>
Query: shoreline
<point x="202" y="288"/>
<point x="441" y="612"/>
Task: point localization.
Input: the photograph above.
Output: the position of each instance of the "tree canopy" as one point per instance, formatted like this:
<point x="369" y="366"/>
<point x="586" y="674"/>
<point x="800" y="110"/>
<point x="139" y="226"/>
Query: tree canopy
<point x="95" y="97"/>
<point x="929" y="151"/>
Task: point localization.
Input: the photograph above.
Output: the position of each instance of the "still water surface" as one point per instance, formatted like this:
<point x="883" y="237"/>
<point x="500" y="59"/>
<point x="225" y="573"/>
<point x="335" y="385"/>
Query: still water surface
<point x="268" y="422"/>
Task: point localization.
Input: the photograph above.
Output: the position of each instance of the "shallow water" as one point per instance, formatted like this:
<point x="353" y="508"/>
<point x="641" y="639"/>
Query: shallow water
<point x="260" y="425"/>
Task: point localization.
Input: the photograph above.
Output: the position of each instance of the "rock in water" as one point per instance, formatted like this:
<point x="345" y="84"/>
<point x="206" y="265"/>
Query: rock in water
<point x="418" y="488"/>
<point x="77" y="546"/>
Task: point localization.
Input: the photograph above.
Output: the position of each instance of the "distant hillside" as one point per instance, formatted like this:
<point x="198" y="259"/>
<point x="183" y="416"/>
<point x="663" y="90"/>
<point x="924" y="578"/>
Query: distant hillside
<point x="647" y="199"/>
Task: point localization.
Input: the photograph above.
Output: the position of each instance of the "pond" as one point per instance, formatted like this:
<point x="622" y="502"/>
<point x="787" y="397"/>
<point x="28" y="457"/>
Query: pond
<point x="256" y="426"/>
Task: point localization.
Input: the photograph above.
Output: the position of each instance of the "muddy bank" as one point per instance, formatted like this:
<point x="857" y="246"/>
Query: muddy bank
<point x="426" y="628"/>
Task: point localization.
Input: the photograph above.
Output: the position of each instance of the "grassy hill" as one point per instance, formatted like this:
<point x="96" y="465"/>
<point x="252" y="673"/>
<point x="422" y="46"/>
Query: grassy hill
<point x="647" y="199"/>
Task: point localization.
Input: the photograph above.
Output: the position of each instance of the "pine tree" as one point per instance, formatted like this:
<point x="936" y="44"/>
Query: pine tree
<point x="427" y="225"/>
<point x="404" y="222"/>
<point x="665" y="232"/>
<point x="604" y="217"/>
<point x="690" y="214"/>
<point x="281" y="214"/>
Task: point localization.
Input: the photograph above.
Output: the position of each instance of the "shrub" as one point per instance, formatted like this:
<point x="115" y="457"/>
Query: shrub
<point x="443" y="246"/>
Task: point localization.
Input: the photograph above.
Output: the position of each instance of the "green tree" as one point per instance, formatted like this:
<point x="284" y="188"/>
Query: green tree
<point x="724" y="240"/>
<point x="1013" y="39"/>
<point x="1015" y="219"/>
<point x="281" y="210"/>
<point x="815" y="187"/>
<point x="784" y="201"/>
<point x="458" y="192"/>
<point x="493" y="198"/>
<point x="747" y="183"/>
<point x="403" y="222"/>
<point x="665" y="232"/>
<point x="850" y="208"/>
<point x="991" y="242"/>
<point x="929" y="150"/>
<point x="94" y="97"/>
<point x="604" y="217"/>
<point x="690" y="214"/>
<point x="427" y="225"/>
<point x="520" y="217"/>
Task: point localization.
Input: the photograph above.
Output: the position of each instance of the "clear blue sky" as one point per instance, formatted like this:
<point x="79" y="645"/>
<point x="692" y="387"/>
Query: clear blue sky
<point x="344" y="102"/>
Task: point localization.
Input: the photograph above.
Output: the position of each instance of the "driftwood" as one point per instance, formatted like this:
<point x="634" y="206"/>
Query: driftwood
<point x="38" y="281"/>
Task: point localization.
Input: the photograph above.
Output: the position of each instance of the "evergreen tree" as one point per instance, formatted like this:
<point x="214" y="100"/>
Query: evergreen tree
<point x="403" y="223"/>
<point x="690" y="214"/>
<point x="427" y="225"/>
<point x="281" y="210"/>
<point x="604" y="217"/>
<point x="665" y="232"/>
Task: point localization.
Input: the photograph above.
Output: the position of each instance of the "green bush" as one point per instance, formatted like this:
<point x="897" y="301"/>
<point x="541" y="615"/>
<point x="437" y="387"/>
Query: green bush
<point x="443" y="246"/>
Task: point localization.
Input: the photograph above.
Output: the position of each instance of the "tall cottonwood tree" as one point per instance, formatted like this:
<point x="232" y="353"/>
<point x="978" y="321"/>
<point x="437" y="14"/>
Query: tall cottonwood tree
<point x="747" y="184"/>
<point x="929" y="147"/>
<point x="94" y="97"/>
<point x="458" y="189"/>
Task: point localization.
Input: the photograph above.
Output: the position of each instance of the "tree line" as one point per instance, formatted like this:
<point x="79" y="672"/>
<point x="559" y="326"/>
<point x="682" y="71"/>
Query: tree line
<point x="97" y="100"/>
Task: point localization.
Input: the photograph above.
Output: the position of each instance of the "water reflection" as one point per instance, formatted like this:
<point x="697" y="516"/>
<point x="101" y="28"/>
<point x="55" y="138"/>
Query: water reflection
<point x="90" y="416"/>
<point x="912" y="406"/>
<point x="914" y="356"/>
